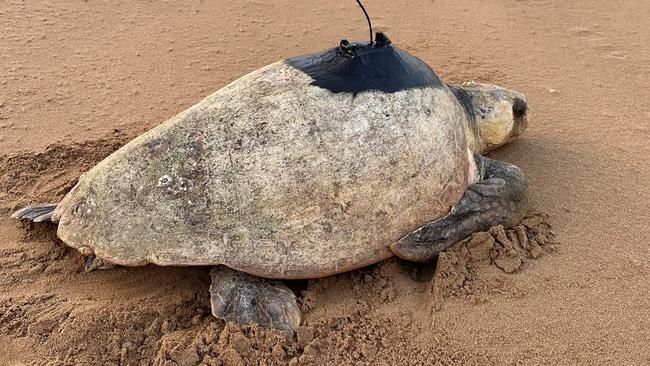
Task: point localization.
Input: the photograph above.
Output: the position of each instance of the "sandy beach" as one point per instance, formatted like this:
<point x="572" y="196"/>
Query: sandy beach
<point x="80" y="79"/>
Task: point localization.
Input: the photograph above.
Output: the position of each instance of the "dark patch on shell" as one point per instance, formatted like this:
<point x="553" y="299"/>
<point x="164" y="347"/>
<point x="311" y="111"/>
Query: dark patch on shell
<point x="359" y="67"/>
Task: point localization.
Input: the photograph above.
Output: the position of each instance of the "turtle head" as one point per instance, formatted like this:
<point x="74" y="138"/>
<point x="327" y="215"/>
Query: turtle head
<point x="496" y="115"/>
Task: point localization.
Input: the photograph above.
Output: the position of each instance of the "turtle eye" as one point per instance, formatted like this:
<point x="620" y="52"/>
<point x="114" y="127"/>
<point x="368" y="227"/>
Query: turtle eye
<point x="519" y="108"/>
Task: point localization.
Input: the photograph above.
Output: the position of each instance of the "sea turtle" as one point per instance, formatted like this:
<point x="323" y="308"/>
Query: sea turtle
<point x="307" y="167"/>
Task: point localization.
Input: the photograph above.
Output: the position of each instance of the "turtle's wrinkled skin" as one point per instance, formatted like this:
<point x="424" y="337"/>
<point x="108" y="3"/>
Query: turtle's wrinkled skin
<point x="305" y="168"/>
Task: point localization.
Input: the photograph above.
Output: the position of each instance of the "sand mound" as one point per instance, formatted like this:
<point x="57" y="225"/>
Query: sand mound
<point x="464" y="270"/>
<point x="46" y="177"/>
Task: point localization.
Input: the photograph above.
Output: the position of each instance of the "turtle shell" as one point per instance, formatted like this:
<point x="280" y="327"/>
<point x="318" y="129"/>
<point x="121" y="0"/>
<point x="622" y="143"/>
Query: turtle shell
<point x="278" y="176"/>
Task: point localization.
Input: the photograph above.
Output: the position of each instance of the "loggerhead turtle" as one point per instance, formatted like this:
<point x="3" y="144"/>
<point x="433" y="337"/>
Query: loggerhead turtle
<point x="308" y="167"/>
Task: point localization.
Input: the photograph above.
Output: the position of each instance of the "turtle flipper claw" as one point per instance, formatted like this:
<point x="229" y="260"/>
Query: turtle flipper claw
<point x="242" y="298"/>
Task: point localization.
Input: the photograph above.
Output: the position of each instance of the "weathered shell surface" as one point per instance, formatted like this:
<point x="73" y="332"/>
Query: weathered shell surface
<point x="273" y="176"/>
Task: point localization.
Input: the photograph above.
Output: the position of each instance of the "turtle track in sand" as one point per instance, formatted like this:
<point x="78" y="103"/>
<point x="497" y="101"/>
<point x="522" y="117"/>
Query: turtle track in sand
<point x="161" y="316"/>
<point x="28" y="178"/>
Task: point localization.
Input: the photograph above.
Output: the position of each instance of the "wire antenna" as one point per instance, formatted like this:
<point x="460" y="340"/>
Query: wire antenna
<point x="367" y="18"/>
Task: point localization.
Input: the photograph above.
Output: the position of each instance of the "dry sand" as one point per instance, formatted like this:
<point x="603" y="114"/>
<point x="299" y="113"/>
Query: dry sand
<point x="79" y="79"/>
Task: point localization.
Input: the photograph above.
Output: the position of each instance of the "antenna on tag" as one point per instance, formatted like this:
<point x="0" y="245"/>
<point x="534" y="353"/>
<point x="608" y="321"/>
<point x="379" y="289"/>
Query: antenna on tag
<point x="368" y="19"/>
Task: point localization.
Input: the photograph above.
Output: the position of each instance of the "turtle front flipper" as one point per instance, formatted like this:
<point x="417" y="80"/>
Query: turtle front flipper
<point x="242" y="298"/>
<point x="36" y="213"/>
<point x="497" y="198"/>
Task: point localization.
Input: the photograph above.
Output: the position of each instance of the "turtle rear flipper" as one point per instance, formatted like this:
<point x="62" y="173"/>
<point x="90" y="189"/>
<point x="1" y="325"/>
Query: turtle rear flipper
<point x="36" y="213"/>
<point x="242" y="298"/>
<point x="93" y="262"/>
<point x="497" y="198"/>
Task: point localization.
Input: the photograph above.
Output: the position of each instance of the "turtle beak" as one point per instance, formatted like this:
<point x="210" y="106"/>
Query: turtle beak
<point x="520" y="113"/>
